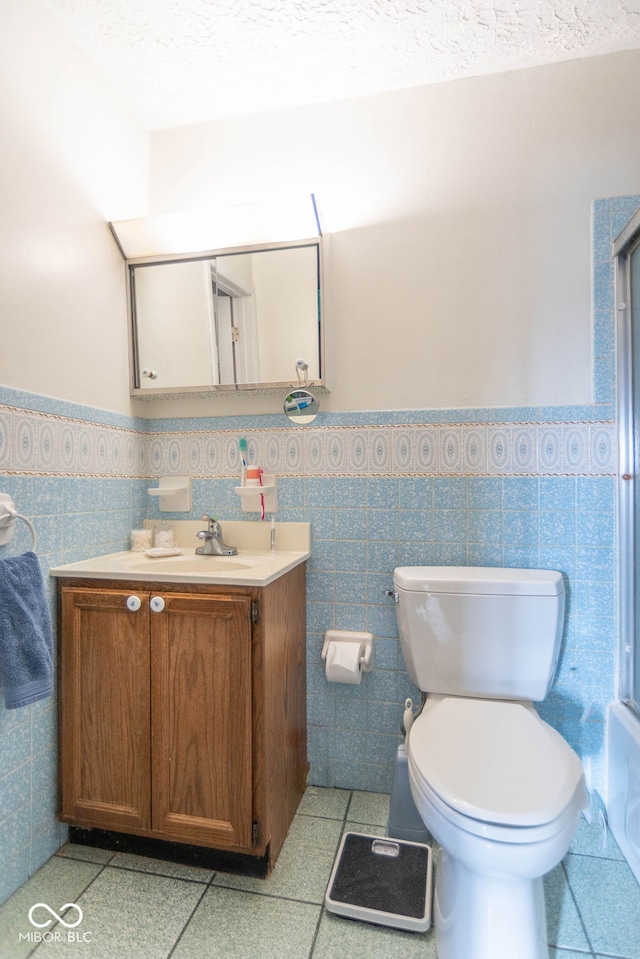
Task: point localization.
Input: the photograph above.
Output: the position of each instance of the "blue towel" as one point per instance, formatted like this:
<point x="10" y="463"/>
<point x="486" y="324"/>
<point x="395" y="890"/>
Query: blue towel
<point x="26" y="640"/>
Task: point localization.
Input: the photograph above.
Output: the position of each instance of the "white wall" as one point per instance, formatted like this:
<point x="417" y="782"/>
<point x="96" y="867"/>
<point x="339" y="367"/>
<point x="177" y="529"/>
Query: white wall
<point x="459" y="265"/>
<point x="72" y="156"/>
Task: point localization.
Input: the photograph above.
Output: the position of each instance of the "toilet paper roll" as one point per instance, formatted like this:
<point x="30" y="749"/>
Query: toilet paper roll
<point x="343" y="663"/>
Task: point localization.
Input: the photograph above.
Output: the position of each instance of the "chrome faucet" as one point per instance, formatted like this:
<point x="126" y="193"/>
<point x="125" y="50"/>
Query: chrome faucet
<point x="213" y="544"/>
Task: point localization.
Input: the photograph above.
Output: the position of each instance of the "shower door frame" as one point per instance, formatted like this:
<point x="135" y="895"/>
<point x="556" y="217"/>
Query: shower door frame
<point x="624" y="246"/>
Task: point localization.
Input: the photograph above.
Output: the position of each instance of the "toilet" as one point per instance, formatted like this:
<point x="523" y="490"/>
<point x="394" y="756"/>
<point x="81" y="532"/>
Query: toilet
<point x="498" y="788"/>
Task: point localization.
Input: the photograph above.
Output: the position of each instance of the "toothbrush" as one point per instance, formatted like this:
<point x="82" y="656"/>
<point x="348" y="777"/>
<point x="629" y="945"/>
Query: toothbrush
<point x="261" y="497"/>
<point x="242" y="446"/>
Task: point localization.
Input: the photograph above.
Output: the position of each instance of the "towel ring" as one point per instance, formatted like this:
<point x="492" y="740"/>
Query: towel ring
<point x="8" y="517"/>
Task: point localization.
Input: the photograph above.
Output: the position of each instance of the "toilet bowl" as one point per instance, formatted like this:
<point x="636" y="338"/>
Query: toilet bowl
<point x="499" y="789"/>
<point x="501" y="792"/>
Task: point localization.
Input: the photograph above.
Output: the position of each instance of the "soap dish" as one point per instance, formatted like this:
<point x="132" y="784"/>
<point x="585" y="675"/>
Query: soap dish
<point x="157" y="551"/>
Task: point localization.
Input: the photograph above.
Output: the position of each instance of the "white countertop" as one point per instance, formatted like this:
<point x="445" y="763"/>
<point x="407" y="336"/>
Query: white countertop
<point x="254" y="565"/>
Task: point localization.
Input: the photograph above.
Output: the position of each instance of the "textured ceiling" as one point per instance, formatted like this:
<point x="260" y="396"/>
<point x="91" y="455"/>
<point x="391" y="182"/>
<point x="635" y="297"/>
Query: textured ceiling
<point x="185" y="61"/>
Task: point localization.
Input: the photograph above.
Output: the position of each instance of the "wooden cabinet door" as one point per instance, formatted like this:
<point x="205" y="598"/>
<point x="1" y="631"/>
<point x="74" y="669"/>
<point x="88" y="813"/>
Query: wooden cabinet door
<point x="104" y="701"/>
<point x="201" y="711"/>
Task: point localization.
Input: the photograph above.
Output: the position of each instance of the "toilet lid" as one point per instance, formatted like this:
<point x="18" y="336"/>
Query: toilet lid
<point x="494" y="761"/>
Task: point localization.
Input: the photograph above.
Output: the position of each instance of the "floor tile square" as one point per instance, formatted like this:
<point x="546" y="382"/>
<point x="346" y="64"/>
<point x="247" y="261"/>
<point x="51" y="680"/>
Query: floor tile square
<point x="564" y="928"/>
<point x="339" y="937"/>
<point x="303" y="867"/>
<point x="608" y="897"/>
<point x="72" y="850"/>
<point x="58" y="882"/>
<point x="365" y="828"/>
<point x="130" y="914"/>
<point x="326" y="803"/>
<point x="229" y="924"/>
<point x="591" y="840"/>
<point x="160" y="867"/>
<point x="370" y="808"/>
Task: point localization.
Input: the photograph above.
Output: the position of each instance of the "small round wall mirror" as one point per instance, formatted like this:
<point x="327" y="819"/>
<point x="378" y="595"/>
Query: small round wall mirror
<point x="301" y="406"/>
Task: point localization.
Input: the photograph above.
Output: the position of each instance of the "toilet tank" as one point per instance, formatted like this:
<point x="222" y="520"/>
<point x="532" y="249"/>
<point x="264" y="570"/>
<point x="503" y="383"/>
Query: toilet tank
<point x="480" y="631"/>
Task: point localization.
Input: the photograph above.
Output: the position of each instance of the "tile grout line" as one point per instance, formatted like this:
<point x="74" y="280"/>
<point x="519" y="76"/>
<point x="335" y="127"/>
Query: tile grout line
<point x="316" y="932"/>
<point x="79" y="896"/>
<point x="207" y="886"/>
<point x="161" y="875"/>
<point x="575" y="902"/>
<point x="323" y="909"/>
<point x="264" y="895"/>
<point x="308" y="815"/>
<point x="593" y="855"/>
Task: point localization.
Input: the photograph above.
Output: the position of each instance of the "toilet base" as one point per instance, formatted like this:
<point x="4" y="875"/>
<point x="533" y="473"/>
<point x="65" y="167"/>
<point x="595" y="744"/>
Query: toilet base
<point x="404" y="822"/>
<point x="481" y="917"/>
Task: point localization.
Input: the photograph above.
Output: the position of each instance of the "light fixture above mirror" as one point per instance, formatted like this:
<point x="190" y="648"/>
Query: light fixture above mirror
<point x="220" y="228"/>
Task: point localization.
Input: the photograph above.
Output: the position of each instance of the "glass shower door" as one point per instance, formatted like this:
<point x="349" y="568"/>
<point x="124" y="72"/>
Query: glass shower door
<point x="627" y="263"/>
<point x="634" y="307"/>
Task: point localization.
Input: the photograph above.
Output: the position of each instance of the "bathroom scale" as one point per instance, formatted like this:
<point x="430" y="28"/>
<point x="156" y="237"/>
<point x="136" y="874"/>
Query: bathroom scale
<point x="382" y="880"/>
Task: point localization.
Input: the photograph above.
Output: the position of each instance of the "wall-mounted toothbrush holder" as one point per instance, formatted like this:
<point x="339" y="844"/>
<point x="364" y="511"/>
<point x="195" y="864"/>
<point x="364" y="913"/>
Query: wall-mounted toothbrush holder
<point x="174" y="494"/>
<point x="251" y="496"/>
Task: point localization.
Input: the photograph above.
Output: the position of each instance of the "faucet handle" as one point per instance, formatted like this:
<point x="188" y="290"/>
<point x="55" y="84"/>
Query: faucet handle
<point x="213" y="524"/>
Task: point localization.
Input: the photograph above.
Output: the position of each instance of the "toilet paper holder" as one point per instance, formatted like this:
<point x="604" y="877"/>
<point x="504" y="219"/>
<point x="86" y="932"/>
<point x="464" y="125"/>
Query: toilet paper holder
<point x="365" y="640"/>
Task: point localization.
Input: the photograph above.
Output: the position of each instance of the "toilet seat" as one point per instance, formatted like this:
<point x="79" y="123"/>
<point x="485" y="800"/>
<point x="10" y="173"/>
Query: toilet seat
<point x="491" y="831"/>
<point x="494" y="763"/>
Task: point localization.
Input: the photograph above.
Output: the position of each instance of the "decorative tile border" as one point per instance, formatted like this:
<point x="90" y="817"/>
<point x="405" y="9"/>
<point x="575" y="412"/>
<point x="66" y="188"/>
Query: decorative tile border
<point x="46" y="444"/>
<point x="37" y="443"/>
<point x="501" y="449"/>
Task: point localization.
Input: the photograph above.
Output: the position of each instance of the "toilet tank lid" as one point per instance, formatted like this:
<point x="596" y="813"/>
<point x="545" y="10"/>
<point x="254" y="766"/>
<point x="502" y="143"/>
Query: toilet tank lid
<point x="487" y="580"/>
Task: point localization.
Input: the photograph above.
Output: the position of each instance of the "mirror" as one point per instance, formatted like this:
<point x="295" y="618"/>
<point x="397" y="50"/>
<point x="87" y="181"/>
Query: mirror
<point x="226" y="320"/>
<point x="301" y="406"/>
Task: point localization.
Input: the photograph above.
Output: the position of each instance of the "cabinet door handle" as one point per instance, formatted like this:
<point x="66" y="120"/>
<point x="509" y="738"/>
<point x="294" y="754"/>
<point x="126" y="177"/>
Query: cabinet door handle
<point x="157" y="604"/>
<point x="134" y="603"/>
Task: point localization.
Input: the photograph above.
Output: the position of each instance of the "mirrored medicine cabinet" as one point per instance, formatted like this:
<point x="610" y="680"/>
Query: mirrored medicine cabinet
<point x="225" y="319"/>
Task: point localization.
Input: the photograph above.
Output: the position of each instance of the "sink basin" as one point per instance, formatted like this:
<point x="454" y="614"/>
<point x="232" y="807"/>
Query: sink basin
<point x="255" y="565"/>
<point x="186" y="564"/>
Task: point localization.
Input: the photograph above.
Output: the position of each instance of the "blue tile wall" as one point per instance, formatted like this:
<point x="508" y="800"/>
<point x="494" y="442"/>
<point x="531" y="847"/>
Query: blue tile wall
<point x="512" y="491"/>
<point x="75" y="516"/>
<point x="542" y="495"/>
<point x="608" y="218"/>
<point x="514" y="487"/>
<point x="348" y="578"/>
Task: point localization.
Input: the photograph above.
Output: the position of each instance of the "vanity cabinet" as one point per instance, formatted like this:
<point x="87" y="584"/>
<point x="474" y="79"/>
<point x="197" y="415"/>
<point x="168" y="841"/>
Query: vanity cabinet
<point x="183" y="710"/>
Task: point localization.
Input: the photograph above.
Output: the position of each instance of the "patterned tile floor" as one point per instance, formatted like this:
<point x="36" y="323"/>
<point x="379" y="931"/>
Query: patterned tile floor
<point x="145" y="909"/>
